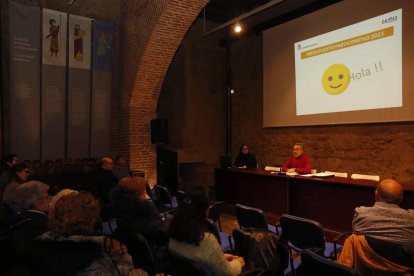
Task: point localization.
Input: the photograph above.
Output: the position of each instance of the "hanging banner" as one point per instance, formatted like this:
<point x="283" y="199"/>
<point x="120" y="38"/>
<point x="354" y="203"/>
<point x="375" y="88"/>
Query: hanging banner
<point x="102" y="33"/>
<point x="79" y="86"/>
<point x="24" y="34"/>
<point x="54" y="37"/>
<point x="101" y="86"/>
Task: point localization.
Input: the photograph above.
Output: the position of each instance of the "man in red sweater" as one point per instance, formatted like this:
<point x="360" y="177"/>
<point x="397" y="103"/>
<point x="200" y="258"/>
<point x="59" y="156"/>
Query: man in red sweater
<point x="298" y="162"/>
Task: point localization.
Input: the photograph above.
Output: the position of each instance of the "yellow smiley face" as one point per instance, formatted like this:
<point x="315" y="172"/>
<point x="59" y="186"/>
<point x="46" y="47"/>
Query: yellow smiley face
<point x="335" y="80"/>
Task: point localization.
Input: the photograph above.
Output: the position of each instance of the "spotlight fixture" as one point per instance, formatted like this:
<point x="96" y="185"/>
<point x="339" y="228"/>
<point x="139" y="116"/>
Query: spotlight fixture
<point x="237" y="27"/>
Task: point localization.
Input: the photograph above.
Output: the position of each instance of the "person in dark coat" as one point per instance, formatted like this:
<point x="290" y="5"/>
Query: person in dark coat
<point x="104" y="181"/>
<point x="245" y="159"/>
<point x="135" y="214"/>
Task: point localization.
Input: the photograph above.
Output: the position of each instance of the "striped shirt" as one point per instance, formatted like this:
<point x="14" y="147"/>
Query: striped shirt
<point x="385" y="221"/>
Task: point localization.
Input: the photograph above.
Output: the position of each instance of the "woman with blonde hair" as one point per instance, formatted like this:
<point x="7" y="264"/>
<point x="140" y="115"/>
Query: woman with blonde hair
<point x="70" y="247"/>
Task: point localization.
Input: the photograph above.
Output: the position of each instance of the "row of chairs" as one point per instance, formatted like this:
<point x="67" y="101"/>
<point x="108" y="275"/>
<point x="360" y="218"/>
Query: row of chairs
<point x="292" y="228"/>
<point x="297" y="234"/>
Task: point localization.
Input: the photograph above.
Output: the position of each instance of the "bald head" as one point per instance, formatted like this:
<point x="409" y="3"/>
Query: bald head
<point x="389" y="191"/>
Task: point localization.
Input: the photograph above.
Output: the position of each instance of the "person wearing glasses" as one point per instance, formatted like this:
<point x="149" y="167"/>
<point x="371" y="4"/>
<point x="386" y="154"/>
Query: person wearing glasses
<point x="298" y="162"/>
<point x="19" y="174"/>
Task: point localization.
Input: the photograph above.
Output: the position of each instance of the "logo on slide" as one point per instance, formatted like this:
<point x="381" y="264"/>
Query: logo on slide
<point x="335" y="80"/>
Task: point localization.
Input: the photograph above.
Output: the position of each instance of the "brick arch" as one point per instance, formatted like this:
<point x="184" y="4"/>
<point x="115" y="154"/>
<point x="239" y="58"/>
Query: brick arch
<point x="153" y="30"/>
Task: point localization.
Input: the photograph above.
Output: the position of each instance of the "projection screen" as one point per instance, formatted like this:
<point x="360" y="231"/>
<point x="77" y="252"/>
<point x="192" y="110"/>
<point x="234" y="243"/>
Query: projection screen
<point x="348" y="63"/>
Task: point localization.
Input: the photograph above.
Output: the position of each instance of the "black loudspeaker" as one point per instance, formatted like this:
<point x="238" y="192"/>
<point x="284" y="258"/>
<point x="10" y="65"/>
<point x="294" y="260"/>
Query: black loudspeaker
<point x="159" y="131"/>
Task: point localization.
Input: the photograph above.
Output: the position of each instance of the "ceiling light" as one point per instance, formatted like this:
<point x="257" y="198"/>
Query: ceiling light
<point x="237" y="28"/>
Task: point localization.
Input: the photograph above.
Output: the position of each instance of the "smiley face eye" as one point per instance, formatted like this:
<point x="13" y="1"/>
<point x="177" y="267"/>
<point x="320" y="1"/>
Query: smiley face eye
<point x="330" y="78"/>
<point x="341" y="76"/>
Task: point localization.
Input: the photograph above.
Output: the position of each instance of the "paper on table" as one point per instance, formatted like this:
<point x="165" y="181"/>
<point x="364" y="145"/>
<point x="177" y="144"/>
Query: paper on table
<point x="322" y="174"/>
<point x="292" y="173"/>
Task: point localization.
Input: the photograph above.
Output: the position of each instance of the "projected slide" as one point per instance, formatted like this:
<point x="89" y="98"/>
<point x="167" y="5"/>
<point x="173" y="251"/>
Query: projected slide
<point x="358" y="67"/>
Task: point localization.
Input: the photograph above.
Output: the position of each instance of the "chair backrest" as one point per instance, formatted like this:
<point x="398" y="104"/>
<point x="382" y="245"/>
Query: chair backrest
<point x="249" y="217"/>
<point x="240" y="245"/>
<point x="261" y="249"/>
<point x="313" y="264"/>
<point x="302" y="233"/>
<point x="216" y="209"/>
<point x="181" y="196"/>
<point x="163" y="194"/>
<point x="338" y="174"/>
<point x="391" y="251"/>
<point x="212" y="228"/>
<point x="140" y="250"/>
<point x="182" y="266"/>
<point x="28" y="225"/>
<point x="365" y="176"/>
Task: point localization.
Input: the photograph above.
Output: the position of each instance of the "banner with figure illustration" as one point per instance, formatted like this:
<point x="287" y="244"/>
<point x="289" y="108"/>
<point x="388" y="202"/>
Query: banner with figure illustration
<point x="23" y="105"/>
<point x="101" y="86"/>
<point x="79" y="86"/>
<point x="54" y="39"/>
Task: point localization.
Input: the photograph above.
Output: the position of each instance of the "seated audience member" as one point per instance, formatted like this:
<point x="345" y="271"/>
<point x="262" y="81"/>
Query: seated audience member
<point x="19" y="175"/>
<point x="104" y="180"/>
<point x="135" y="214"/>
<point x="37" y="167"/>
<point x="60" y="167"/>
<point x="69" y="247"/>
<point x="245" y="158"/>
<point x="121" y="168"/>
<point x="298" y="162"/>
<point x="385" y="223"/>
<point x="191" y="240"/>
<point x="60" y="194"/>
<point x="8" y="163"/>
<point x="28" y="218"/>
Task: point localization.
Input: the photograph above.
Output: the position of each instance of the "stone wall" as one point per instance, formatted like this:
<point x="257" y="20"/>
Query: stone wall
<point x="386" y="150"/>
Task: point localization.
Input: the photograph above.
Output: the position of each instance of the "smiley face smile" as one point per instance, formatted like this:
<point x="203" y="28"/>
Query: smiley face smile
<point x="335" y="79"/>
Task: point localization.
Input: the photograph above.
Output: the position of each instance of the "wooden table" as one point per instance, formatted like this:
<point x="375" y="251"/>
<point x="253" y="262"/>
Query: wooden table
<point x="330" y="201"/>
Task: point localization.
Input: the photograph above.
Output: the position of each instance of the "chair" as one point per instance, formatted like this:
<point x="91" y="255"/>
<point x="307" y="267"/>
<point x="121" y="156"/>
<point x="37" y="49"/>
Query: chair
<point x="314" y="264"/>
<point x="274" y="256"/>
<point x="181" y="196"/>
<point x="223" y="239"/>
<point x="301" y="233"/>
<point x="28" y="225"/>
<point x="249" y="217"/>
<point x="365" y="176"/>
<point x="108" y="226"/>
<point x="215" y="210"/>
<point x="372" y="256"/>
<point x="338" y="174"/>
<point x="182" y="266"/>
<point x="140" y="251"/>
<point x="164" y="199"/>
